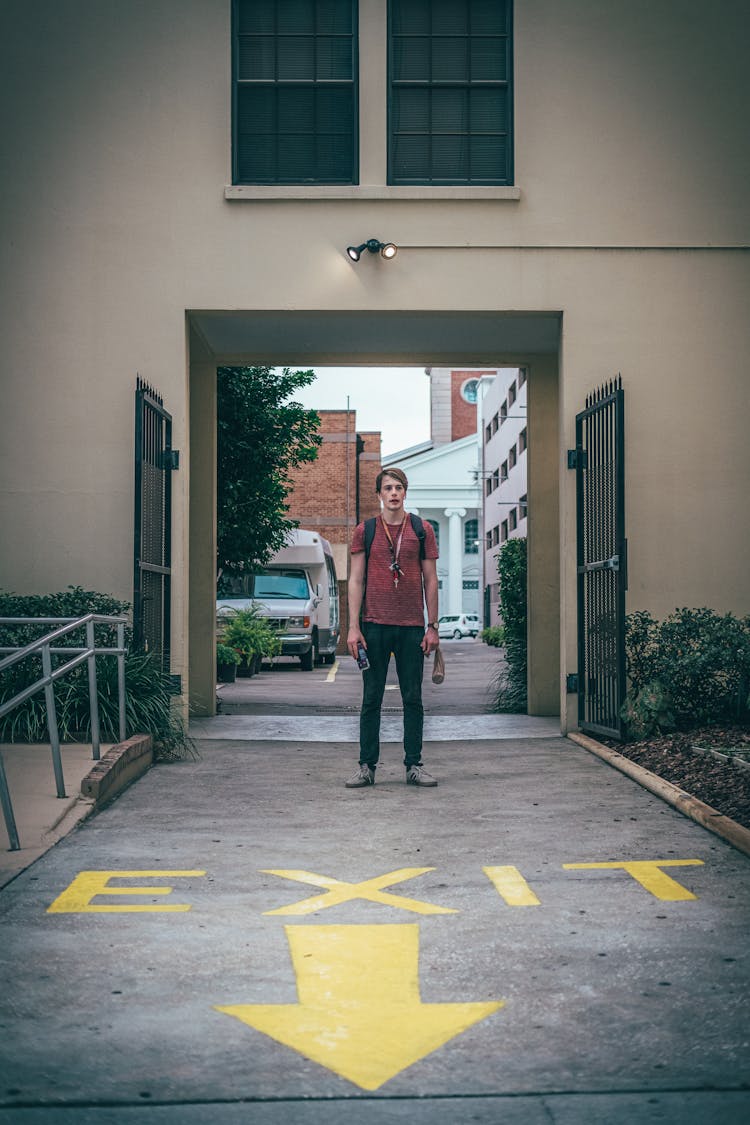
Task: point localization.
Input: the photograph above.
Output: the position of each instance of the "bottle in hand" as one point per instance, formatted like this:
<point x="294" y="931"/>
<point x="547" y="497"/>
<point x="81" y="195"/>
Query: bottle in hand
<point x="362" y="661"/>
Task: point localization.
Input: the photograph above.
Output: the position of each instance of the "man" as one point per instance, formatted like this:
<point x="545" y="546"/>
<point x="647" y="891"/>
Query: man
<point x="395" y="581"/>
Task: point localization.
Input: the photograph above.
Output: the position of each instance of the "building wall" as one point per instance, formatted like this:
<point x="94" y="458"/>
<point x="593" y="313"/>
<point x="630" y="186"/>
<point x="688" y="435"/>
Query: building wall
<point x="325" y="492"/>
<point x="505" y="488"/>
<point x="463" y="411"/>
<point x="369" y="469"/>
<point x="441" y="415"/>
<point x="127" y="251"/>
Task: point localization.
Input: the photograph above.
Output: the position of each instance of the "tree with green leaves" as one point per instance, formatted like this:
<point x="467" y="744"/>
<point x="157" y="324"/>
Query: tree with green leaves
<point x="262" y="435"/>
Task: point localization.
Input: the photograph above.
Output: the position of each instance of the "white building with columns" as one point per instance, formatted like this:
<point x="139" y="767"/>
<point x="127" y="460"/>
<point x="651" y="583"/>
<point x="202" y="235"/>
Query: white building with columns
<point x="444" y="490"/>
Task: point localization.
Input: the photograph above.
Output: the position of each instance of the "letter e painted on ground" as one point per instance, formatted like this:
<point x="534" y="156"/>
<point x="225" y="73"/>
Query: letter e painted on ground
<point x="76" y="898"/>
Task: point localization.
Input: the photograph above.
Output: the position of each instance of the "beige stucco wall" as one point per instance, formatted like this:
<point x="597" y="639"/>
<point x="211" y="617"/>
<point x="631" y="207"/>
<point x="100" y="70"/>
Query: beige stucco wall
<point x="631" y="221"/>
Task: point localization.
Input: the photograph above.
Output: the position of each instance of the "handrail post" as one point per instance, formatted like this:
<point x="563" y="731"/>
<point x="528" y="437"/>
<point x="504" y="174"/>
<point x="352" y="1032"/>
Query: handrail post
<point x="10" y="820"/>
<point x="54" y="734"/>
<point x="121" y="679"/>
<point x="93" y="693"/>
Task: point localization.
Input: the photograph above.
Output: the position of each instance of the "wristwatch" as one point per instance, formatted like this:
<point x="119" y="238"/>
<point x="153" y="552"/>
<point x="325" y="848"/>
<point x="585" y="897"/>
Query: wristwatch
<point x="432" y="624"/>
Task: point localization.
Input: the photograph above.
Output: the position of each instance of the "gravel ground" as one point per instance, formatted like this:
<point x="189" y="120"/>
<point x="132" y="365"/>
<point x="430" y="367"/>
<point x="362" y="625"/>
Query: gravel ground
<point x="723" y="785"/>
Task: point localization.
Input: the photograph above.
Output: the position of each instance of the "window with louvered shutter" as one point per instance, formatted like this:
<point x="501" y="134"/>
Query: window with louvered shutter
<point x="295" y="91"/>
<point x="450" y="87"/>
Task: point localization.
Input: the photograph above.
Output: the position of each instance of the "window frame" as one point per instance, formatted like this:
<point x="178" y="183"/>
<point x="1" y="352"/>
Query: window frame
<point x="509" y="180"/>
<point x="313" y="84"/>
<point x="435" y="525"/>
<point x="471" y="535"/>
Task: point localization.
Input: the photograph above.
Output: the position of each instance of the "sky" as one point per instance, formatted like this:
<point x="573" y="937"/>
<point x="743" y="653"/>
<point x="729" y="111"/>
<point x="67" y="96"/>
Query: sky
<point x="394" y="400"/>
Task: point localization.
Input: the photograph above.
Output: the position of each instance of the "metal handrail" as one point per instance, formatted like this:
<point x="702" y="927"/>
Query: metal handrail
<point x="46" y="647"/>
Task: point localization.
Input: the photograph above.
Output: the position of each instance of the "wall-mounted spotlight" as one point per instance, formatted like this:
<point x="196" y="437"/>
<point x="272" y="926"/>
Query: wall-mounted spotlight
<point x="387" y="250"/>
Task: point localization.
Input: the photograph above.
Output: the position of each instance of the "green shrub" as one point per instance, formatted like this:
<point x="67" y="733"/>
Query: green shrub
<point x="692" y="669"/>
<point x="493" y="636"/>
<point x="511" y="572"/>
<point x="247" y="631"/>
<point x="647" y="711"/>
<point x="225" y="654"/>
<point x="73" y="602"/>
<point x="149" y="703"/>
<point x="510" y="682"/>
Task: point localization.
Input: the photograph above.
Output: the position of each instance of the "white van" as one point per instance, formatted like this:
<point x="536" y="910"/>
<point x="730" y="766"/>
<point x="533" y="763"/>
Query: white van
<point x="298" y="592"/>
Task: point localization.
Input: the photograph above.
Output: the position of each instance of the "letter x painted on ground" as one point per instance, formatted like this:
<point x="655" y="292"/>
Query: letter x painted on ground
<point x="338" y="891"/>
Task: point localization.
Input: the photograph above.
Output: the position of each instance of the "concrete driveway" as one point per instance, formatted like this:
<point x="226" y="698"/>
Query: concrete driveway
<point x="241" y="939"/>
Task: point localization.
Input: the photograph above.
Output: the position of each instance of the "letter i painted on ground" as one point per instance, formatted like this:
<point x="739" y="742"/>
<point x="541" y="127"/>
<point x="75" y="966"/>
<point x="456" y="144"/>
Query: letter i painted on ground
<point x="511" y="885"/>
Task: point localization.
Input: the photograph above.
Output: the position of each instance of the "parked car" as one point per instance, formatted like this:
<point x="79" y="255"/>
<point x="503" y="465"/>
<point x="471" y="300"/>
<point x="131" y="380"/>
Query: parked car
<point x="459" y="625"/>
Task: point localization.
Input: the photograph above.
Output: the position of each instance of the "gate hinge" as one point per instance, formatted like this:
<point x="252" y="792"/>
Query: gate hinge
<point x="170" y="459"/>
<point x="571" y="683"/>
<point x="578" y="459"/>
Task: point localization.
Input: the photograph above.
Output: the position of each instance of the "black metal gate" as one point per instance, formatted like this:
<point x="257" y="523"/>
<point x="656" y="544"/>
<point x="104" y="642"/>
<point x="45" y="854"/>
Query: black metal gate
<point x="154" y="461"/>
<point x="602" y="560"/>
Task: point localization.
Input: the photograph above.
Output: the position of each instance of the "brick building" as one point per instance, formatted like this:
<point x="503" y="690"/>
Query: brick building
<point x="333" y="493"/>
<point x="453" y="397"/>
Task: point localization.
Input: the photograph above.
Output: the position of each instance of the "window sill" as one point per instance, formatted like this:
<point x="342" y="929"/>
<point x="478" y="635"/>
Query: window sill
<point x="276" y="192"/>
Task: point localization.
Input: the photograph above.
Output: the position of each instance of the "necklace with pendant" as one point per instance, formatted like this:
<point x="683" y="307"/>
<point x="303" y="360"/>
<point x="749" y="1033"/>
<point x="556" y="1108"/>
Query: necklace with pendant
<point x="395" y="549"/>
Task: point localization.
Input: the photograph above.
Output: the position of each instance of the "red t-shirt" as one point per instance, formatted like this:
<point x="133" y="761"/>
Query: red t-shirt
<point x="385" y="603"/>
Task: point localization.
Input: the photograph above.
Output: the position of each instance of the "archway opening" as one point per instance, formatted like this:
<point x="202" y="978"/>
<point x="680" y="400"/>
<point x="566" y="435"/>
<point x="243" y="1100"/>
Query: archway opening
<point x="362" y="340"/>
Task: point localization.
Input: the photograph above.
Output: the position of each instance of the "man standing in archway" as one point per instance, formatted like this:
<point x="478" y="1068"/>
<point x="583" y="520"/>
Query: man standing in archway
<point x="393" y="575"/>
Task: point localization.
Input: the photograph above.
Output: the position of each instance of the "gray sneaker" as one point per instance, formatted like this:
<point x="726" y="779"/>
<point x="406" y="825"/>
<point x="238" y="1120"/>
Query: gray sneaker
<point x="417" y="775"/>
<point x="363" y="776"/>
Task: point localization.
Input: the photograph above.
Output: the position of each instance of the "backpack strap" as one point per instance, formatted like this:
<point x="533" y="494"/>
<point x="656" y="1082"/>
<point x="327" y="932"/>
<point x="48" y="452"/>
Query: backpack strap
<point x="418" y="525"/>
<point x="370" y="526"/>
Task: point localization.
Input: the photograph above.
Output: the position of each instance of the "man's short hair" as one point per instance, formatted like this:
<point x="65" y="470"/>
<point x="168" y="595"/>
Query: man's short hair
<point x="397" y="474"/>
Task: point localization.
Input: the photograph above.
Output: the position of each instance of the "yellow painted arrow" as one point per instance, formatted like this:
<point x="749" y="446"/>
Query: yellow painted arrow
<point x="359" y="1012"/>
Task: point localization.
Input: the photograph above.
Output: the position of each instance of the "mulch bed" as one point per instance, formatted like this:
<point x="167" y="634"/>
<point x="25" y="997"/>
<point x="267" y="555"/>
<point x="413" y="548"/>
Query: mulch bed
<point x="723" y="785"/>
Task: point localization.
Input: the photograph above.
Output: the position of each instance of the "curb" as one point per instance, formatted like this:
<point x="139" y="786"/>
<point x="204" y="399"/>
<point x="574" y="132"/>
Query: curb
<point x="116" y="769"/>
<point x="703" y="814"/>
<point x="120" y="765"/>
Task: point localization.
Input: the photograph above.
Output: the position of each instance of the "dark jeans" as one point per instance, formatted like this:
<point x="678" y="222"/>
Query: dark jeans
<point x="404" y="642"/>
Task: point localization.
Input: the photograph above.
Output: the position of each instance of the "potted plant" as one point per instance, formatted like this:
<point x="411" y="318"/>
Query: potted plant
<point x="250" y="634"/>
<point x="227" y="659"/>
